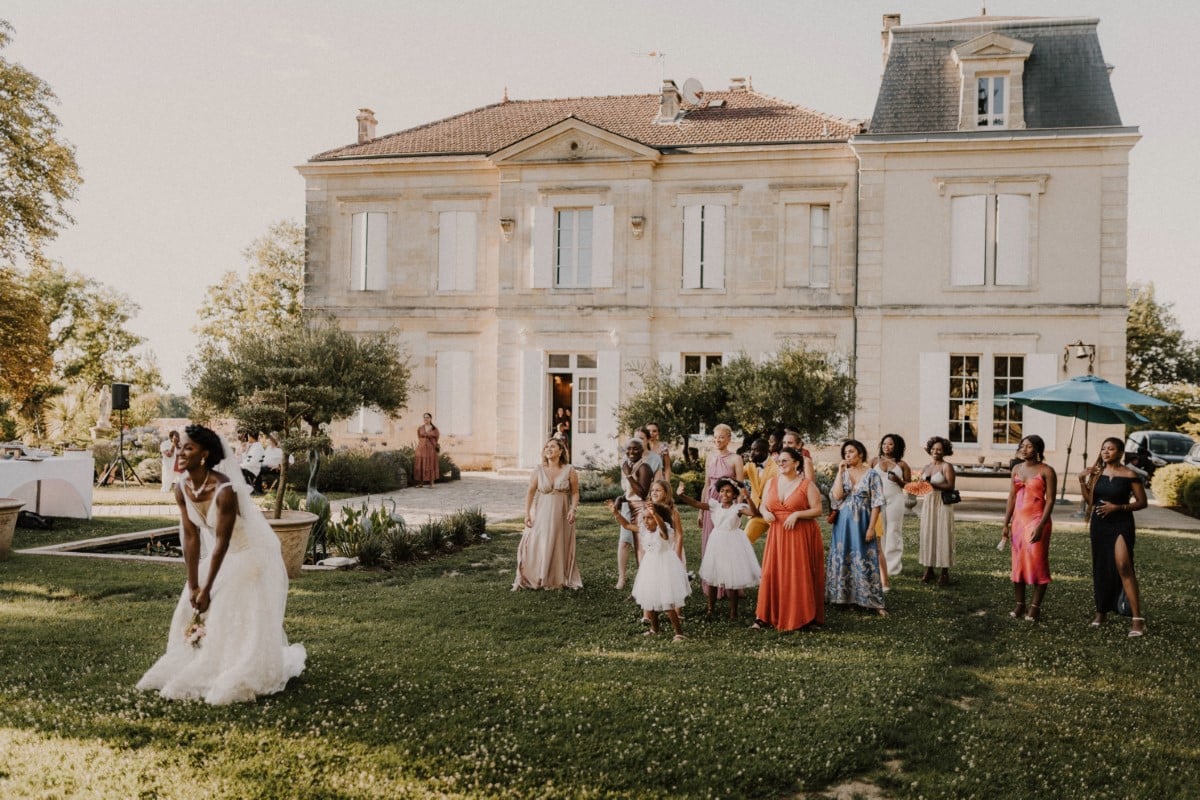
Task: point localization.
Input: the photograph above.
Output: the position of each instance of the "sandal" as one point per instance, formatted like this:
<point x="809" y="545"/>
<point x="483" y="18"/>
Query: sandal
<point x="1097" y="621"/>
<point x="649" y="633"/>
<point x="1033" y="616"/>
<point x="943" y="579"/>
<point x="759" y="625"/>
<point x="1018" y="612"/>
<point x="1134" y="632"/>
<point x="679" y="637"/>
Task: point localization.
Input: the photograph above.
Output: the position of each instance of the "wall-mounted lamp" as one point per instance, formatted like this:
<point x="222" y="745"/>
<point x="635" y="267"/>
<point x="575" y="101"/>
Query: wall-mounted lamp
<point x="507" y="226"/>
<point x="638" y="226"/>
<point x="1078" y="349"/>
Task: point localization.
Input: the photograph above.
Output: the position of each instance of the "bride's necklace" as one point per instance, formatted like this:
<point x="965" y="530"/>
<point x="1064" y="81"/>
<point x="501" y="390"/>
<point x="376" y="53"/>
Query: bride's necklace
<point x="196" y="492"/>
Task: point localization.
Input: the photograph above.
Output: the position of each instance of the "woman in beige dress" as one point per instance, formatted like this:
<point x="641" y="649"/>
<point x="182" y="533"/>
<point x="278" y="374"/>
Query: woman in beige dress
<point x="937" y="518"/>
<point x="546" y="555"/>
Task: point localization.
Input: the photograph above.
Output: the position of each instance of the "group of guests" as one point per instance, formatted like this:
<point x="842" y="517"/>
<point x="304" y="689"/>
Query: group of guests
<point x="774" y="486"/>
<point x="260" y="457"/>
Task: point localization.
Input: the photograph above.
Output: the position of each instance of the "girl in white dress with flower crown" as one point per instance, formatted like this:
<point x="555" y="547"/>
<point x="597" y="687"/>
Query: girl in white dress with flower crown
<point x="729" y="561"/>
<point x="226" y="642"/>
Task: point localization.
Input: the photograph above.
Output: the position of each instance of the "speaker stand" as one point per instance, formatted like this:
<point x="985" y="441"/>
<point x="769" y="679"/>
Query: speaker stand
<point x="120" y="463"/>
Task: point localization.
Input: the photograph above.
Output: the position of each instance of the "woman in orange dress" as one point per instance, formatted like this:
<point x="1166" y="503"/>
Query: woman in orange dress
<point x="1027" y="525"/>
<point x="792" y="592"/>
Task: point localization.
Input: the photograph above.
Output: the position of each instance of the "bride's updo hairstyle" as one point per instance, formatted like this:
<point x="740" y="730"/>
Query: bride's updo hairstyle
<point x="208" y="441"/>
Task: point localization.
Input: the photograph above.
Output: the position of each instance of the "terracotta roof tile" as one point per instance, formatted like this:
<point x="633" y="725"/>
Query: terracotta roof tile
<point x="747" y="117"/>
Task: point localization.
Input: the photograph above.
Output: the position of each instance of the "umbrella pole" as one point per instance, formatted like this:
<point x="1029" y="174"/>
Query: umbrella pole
<point x="1082" y="503"/>
<point x="1066" y="467"/>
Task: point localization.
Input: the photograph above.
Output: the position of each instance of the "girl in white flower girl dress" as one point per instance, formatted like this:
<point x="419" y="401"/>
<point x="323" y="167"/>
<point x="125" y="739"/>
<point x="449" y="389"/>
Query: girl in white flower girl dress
<point x="662" y="582"/>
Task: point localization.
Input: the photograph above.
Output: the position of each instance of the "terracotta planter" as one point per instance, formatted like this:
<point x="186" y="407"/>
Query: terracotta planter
<point x="9" y="508"/>
<point x="293" y="529"/>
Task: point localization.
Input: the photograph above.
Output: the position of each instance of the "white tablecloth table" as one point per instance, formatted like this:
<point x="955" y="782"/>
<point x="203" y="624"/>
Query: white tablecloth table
<point x="60" y="486"/>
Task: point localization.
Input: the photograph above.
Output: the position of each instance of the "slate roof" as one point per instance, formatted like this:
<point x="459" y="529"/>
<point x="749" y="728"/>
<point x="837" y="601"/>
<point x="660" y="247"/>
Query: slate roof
<point x="1066" y="79"/>
<point x="747" y="117"/>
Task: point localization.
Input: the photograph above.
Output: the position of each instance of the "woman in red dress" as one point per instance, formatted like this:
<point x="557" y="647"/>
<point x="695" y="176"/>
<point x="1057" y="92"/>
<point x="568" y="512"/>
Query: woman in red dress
<point x="792" y="592"/>
<point x="425" y="461"/>
<point x="1027" y="525"/>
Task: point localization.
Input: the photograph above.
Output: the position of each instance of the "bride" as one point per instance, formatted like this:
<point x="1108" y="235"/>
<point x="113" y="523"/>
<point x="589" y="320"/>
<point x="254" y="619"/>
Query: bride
<point x="226" y="643"/>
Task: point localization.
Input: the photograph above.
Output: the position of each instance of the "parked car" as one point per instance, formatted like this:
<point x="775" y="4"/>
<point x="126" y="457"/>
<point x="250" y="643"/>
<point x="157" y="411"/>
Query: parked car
<point x="1193" y="456"/>
<point x="1150" y="450"/>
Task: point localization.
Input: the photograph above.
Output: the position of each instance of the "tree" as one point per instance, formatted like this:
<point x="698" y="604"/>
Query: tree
<point x="283" y="380"/>
<point x="38" y="173"/>
<point x="270" y="298"/>
<point x="1156" y="351"/>
<point x="808" y="390"/>
<point x="26" y="359"/>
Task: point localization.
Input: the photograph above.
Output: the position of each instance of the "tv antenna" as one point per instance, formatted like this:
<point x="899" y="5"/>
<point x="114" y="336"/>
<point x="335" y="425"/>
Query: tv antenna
<point x="693" y="92"/>
<point x="660" y="57"/>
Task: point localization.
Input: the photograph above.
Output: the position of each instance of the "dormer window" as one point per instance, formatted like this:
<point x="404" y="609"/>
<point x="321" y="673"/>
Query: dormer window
<point x="992" y="68"/>
<point x="991" y="110"/>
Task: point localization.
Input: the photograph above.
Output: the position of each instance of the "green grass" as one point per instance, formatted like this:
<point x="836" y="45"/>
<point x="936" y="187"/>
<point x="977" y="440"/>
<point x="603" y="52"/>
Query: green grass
<point x="436" y="680"/>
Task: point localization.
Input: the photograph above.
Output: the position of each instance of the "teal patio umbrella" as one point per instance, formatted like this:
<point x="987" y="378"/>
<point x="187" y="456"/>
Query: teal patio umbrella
<point x="1087" y="398"/>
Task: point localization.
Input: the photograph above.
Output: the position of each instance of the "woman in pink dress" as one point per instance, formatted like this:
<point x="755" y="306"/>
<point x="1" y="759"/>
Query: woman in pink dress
<point x="722" y="463"/>
<point x="1027" y="525"/>
<point x="425" y="460"/>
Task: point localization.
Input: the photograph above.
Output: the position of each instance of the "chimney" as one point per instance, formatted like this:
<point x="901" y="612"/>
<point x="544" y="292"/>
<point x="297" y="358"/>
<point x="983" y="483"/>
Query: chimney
<point x="668" y="107"/>
<point x="889" y="21"/>
<point x="737" y="84"/>
<point x="366" y="125"/>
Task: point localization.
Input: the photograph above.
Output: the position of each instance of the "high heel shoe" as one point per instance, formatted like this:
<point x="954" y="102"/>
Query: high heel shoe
<point x="1033" y="616"/>
<point x="1134" y="632"/>
<point x="1018" y="612"/>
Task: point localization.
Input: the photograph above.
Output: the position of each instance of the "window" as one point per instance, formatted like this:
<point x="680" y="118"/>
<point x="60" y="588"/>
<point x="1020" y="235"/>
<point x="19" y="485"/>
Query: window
<point x="366" y="421"/>
<point x="573" y="248"/>
<point x="990" y="109"/>
<point x="964" y="400"/>
<point x="585" y="404"/>
<point x="818" y="246"/>
<point x="704" y="247"/>
<point x="368" y="251"/>
<point x="1008" y="375"/>
<point x="456" y="251"/>
<point x="699" y="364"/>
<point x="990" y="240"/>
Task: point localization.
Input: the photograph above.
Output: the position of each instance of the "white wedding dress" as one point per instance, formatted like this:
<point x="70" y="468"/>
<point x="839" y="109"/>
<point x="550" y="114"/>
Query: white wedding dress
<point x="244" y="652"/>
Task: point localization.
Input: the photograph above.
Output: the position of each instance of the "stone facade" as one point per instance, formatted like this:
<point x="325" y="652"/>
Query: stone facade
<point x="531" y="257"/>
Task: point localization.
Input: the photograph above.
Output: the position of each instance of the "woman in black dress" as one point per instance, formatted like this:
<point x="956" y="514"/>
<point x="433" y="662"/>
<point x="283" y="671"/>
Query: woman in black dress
<point x="1114" y="492"/>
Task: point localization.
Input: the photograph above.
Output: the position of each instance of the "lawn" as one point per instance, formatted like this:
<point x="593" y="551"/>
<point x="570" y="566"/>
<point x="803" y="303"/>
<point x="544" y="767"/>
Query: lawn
<point x="436" y="680"/>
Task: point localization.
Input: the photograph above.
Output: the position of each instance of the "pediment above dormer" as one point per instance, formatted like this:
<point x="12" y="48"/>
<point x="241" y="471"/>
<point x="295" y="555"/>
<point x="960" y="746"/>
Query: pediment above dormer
<point x="573" y="141"/>
<point x="993" y="45"/>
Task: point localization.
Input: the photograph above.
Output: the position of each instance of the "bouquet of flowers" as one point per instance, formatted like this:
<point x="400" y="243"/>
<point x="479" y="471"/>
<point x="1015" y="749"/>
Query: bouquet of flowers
<point x="918" y="487"/>
<point x="195" y="630"/>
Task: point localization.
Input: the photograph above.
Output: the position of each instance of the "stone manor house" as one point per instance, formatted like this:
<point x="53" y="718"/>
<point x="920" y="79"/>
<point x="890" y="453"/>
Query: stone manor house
<point x="531" y="254"/>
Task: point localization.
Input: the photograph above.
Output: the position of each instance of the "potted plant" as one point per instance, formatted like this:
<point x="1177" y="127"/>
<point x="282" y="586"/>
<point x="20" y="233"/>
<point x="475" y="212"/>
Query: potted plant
<point x="297" y="380"/>
<point x="9" y="509"/>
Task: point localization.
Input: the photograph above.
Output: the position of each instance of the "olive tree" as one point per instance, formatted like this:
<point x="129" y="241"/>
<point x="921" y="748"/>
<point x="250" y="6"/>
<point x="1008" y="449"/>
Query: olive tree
<point x="298" y="379"/>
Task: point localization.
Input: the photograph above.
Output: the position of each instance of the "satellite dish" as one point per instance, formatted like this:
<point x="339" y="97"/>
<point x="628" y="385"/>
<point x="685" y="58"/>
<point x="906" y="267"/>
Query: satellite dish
<point x="692" y="92"/>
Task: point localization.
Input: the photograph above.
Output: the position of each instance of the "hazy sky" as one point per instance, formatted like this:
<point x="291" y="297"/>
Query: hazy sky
<point x="190" y="117"/>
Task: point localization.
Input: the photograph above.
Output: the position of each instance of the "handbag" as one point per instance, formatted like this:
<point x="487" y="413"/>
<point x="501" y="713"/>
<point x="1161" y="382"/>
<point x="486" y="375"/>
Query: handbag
<point x="950" y="497"/>
<point x="833" y="515"/>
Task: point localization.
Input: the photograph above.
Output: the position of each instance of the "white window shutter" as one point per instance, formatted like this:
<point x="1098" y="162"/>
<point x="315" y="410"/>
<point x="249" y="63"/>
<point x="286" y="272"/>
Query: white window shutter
<point x="714" y="247"/>
<point x="602" y="247"/>
<point x="455" y="389"/>
<point x="447" y="252"/>
<point x="608" y="395"/>
<point x="1012" y="240"/>
<point x="796" y="251"/>
<point x="1041" y="369"/>
<point x="968" y="240"/>
<point x="376" y="255"/>
<point x="691" y="246"/>
<point x="542" y="261"/>
<point x="467" y="249"/>
<point x="533" y="420"/>
<point x="934" y="394"/>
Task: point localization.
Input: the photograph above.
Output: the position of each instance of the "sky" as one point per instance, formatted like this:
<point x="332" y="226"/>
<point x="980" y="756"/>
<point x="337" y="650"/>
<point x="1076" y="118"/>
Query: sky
<point x="189" y="118"/>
